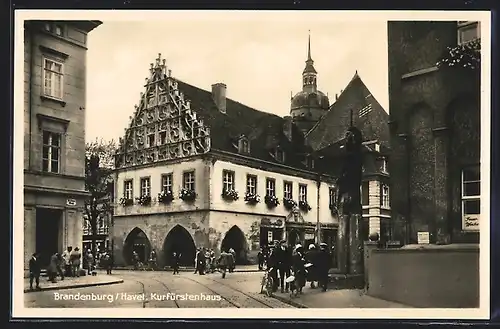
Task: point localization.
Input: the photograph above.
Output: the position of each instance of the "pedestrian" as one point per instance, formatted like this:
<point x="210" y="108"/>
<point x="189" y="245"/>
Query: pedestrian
<point x="135" y="259"/>
<point x="90" y="261"/>
<point x="108" y="262"/>
<point x="152" y="260"/>
<point x="312" y="273"/>
<point x="196" y="260"/>
<point x="299" y="270"/>
<point x="260" y="259"/>
<point x="175" y="262"/>
<point x="225" y="262"/>
<point x="67" y="261"/>
<point x="75" y="257"/>
<point x="35" y="269"/>
<point x="201" y="261"/>
<point x="54" y="268"/>
<point x="284" y="264"/>
<point x="233" y="266"/>
<point x="272" y="265"/>
<point x="324" y="260"/>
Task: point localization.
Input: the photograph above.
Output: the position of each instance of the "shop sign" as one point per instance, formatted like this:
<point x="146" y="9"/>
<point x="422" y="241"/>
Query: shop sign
<point x="471" y="222"/>
<point x="423" y="238"/>
<point x="70" y="202"/>
<point x="309" y="236"/>
<point x="269" y="236"/>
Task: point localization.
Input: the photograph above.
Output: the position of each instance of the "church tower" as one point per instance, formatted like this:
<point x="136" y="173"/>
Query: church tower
<point x="310" y="104"/>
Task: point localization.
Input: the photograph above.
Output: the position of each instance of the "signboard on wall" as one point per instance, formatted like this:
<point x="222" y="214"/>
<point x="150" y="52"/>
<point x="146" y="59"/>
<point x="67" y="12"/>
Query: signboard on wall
<point x="471" y="222"/>
<point x="309" y="236"/>
<point x="70" y="202"/>
<point x="423" y="238"/>
<point x="269" y="236"/>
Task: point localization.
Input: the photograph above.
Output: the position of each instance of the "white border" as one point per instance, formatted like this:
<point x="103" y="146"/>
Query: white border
<point x="18" y="285"/>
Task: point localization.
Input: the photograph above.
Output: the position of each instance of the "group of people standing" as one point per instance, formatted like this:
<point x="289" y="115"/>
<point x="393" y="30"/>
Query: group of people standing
<point x="284" y="262"/>
<point x="205" y="261"/>
<point x="67" y="264"/>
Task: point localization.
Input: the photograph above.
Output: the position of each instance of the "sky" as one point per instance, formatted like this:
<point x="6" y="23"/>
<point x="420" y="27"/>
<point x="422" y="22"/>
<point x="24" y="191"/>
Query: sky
<point x="259" y="57"/>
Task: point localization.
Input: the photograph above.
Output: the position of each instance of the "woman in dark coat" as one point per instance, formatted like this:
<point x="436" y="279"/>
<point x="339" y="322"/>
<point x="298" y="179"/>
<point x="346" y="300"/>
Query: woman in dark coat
<point x="299" y="271"/>
<point x="311" y="258"/>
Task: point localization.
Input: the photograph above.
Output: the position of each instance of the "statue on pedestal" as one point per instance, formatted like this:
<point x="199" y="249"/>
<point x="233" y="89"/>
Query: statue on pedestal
<point x="350" y="251"/>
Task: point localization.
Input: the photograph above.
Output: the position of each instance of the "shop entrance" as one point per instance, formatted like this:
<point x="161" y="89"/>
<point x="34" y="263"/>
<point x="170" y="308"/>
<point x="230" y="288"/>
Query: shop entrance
<point x="48" y="224"/>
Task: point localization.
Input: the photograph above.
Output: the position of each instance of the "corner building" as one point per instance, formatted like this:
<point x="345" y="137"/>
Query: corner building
<point x="54" y="135"/>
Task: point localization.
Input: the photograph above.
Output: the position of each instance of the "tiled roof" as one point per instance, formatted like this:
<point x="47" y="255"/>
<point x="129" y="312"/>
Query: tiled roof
<point x="368" y="116"/>
<point x="265" y="131"/>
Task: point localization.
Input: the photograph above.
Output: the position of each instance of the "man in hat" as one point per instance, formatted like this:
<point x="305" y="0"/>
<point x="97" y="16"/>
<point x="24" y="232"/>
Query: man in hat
<point x="284" y="264"/>
<point x="312" y="271"/>
<point x="323" y="258"/>
<point x="35" y="269"/>
<point x="272" y="264"/>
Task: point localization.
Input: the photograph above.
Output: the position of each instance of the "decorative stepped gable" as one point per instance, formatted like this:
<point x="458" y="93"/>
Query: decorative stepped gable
<point x="368" y="116"/>
<point x="163" y="126"/>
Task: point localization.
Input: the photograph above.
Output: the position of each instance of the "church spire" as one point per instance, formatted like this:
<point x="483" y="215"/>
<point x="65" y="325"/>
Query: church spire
<point x="309" y="73"/>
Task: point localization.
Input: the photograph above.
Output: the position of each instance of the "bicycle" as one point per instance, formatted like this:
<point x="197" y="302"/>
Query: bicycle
<point x="267" y="283"/>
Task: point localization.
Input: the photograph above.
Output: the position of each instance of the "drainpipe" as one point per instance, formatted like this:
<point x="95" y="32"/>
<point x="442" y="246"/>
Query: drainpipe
<point x="318" y="225"/>
<point x="30" y="109"/>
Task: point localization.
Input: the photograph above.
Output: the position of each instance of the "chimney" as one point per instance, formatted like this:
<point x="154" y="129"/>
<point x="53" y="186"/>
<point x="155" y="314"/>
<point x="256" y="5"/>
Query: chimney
<point x="287" y="127"/>
<point x="219" y="96"/>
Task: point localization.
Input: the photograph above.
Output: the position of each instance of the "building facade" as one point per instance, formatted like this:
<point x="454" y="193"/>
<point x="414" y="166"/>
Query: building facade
<point x="434" y="88"/>
<point x="54" y="139"/>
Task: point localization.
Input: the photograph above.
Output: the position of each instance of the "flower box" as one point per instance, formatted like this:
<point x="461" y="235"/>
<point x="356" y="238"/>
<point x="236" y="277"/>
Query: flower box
<point x="252" y="198"/>
<point x="304" y="206"/>
<point x="144" y="200"/>
<point x="466" y="56"/>
<point x="187" y="195"/>
<point x="230" y="195"/>
<point x="289" y="203"/>
<point x="165" y="197"/>
<point x="125" y="202"/>
<point x="271" y="201"/>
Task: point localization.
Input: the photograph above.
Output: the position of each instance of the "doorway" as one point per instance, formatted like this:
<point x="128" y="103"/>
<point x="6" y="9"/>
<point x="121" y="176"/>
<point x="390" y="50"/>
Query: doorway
<point x="136" y="241"/>
<point x="47" y="236"/>
<point x="179" y="240"/>
<point x="236" y="240"/>
<point x="293" y="238"/>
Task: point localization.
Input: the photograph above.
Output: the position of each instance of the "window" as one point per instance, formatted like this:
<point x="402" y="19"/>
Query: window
<point x="270" y="187"/>
<point x="252" y="184"/>
<point x="244" y="145"/>
<point x="53" y="78"/>
<point x="151" y="140"/>
<point x="332" y="196"/>
<point x="188" y="180"/>
<point x="384" y="165"/>
<point x="58" y="30"/>
<point x="384" y="202"/>
<point x="127" y="190"/>
<point x="163" y="137"/>
<point x="468" y="31"/>
<point x="365" y="110"/>
<point x="145" y="186"/>
<point x="302" y="192"/>
<point x="51" y="156"/>
<point x="288" y="190"/>
<point x="280" y="155"/>
<point x="365" y="195"/>
<point x="166" y="182"/>
<point x="228" y="180"/>
<point x="471" y="192"/>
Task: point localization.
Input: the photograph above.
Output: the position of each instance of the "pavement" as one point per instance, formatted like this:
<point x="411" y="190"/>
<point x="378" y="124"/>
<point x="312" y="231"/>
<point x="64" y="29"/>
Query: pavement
<point x="71" y="283"/>
<point x="239" y="268"/>
<point x="345" y="298"/>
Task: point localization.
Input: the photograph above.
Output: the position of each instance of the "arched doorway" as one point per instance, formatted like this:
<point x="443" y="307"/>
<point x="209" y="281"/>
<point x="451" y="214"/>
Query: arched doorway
<point x="179" y="240"/>
<point x="236" y="240"/>
<point x="293" y="238"/>
<point x="136" y="241"/>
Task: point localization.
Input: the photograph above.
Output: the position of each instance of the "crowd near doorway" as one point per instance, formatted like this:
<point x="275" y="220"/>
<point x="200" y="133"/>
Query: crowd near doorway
<point x="236" y="240"/>
<point x="179" y="240"/>
<point x="47" y="239"/>
<point x="136" y="241"/>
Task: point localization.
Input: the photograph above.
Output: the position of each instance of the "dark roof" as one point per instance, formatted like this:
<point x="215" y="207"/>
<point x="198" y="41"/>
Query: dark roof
<point x="333" y="125"/>
<point x="265" y="131"/>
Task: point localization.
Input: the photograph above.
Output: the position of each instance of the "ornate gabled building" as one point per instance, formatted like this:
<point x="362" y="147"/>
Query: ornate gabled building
<point x="197" y="169"/>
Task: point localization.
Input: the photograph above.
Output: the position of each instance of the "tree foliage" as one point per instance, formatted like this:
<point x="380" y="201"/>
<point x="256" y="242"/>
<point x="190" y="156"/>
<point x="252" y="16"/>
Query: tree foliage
<point x="99" y="165"/>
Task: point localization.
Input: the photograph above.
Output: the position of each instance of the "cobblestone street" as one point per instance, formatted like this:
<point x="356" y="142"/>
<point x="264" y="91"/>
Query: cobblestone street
<point x="163" y="290"/>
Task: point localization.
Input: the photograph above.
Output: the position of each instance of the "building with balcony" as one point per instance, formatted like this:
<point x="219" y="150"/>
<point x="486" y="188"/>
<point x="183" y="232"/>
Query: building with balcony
<point x="54" y="138"/>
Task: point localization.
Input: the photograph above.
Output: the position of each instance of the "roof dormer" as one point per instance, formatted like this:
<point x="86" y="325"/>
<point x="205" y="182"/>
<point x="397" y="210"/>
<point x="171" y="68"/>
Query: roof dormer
<point x="279" y="154"/>
<point x="243" y="145"/>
